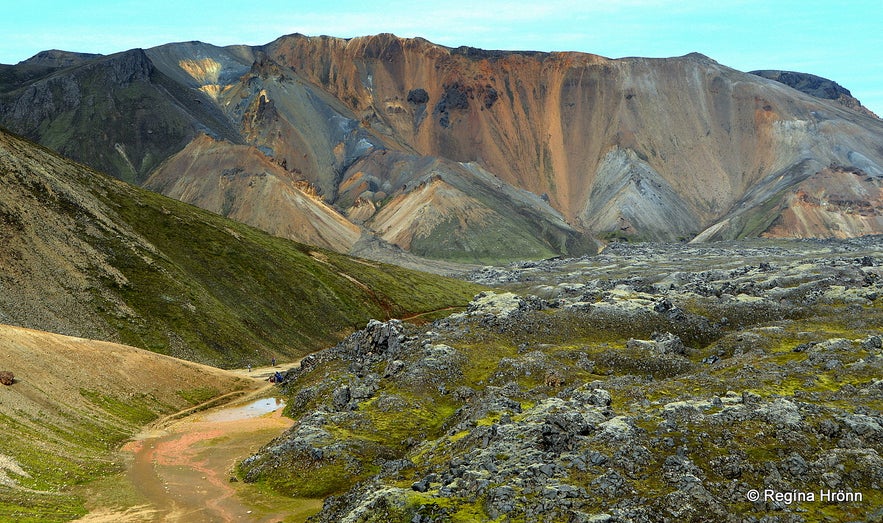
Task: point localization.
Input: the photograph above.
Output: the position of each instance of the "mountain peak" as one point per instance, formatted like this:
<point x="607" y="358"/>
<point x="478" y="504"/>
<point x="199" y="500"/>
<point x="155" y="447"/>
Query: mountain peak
<point x="58" y="58"/>
<point x="699" y="57"/>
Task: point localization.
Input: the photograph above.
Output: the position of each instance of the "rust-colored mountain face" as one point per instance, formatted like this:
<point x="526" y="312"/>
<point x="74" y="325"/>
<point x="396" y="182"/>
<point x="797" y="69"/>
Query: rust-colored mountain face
<point x="241" y="183"/>
<point x="653" y="148"/>
<point x="472" y="155"/>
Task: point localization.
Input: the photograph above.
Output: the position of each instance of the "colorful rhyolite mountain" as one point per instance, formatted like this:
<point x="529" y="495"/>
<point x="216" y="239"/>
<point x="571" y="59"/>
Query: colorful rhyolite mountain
<point x="459" y="154"/>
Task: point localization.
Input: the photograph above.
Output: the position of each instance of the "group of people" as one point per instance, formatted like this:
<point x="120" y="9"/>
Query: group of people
<point x="276" y="377"/>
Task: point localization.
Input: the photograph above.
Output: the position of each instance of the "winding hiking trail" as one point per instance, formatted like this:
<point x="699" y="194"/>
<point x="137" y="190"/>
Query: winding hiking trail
<point x="180" y="466"/>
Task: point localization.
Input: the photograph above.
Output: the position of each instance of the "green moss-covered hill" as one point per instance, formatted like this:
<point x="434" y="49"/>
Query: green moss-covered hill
<point x="90" y="256"/>
<point x="645" y="387"/>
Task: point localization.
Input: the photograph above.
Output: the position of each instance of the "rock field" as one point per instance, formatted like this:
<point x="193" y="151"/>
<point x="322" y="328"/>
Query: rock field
<point x="725" y="382"/>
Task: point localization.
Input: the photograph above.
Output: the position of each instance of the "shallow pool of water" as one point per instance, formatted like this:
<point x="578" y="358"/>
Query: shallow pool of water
<point x="251" y="410"/>
<point x="183" y="475"/>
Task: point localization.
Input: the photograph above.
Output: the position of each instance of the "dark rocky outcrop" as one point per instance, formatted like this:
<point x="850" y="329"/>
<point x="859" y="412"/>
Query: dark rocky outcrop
<point x="640" y="423"/>
<point x="807" y="83"/>
<point x="418" y="96"/>
<point x="6" y="377"/>
<point x="455" y="97"/>
<point x="816" y="86"/>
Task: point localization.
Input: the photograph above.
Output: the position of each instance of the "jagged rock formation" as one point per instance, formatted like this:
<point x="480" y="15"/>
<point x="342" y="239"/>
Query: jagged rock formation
<point x="461" y="153"/>
<point x="650" y="383"/>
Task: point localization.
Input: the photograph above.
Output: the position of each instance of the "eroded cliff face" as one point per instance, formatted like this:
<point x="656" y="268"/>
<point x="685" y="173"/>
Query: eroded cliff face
<point x="561" y="147"/>
<point x="836" y="201"/>
<point x="310" y="136"/>
<point x="239" y="182"/>
<point x="572" y="125"/>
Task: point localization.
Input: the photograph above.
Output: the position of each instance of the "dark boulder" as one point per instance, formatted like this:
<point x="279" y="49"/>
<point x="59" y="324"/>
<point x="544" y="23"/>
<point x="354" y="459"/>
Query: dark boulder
<point x="560" y="430"/>
<point x="418" y="96"/>
<point x="341" y="397"/>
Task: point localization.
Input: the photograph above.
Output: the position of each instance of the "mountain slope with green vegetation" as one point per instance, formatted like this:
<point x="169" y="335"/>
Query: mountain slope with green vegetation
<point x="87" y="255"/>
<point x="73" y="403"/>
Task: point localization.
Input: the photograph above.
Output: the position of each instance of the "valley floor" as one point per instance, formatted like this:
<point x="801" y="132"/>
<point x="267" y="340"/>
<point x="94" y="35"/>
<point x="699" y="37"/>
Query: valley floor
<point x="101" y="432"/>
<point x="179" y="470"/>
<point x="648" y="383"/>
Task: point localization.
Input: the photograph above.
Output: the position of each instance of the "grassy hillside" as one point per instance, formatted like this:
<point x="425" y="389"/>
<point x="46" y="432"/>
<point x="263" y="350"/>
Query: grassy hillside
<point x="73" y="403"/>
<point x="87" y="255"/>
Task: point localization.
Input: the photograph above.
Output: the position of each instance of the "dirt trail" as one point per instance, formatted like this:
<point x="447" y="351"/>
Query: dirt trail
<point x="426" y="313"/>
<point x="180" y="466"/>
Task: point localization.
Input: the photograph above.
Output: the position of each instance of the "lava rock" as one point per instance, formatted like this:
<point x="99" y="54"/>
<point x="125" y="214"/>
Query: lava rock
<point x="418" y="96"/>
<point x="560" y="431"/>
<point x="596" y="397"/>
<point x="341" y="397"/>
<point x="669" y="343"/>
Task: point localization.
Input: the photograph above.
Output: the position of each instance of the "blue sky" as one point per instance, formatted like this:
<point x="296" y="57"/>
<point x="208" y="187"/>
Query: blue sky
<point x="838" y="40"/>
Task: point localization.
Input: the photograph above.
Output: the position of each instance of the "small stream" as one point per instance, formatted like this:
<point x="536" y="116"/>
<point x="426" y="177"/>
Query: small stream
<point x="184" y="472"/>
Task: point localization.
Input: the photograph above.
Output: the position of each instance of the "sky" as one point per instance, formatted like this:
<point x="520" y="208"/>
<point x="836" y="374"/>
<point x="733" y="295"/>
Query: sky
<point x="842" y="41"/>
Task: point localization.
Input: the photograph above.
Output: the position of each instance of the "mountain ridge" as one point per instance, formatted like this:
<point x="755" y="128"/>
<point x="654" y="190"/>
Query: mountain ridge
<point x="86" y="255"/>
<point x="816" y="86"/>
<point x="608" y="143"/>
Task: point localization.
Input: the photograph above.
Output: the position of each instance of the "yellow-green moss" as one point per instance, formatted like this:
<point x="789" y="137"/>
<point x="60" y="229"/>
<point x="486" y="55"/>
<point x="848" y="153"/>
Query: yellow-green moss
<point x="135" y="409"/>
<point x="198" y="395"/>
<point x="458" y="436"/>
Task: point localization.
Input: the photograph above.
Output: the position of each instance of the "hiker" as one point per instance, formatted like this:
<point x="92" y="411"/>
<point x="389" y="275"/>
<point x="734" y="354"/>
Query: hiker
<point x="274" y="361"/>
